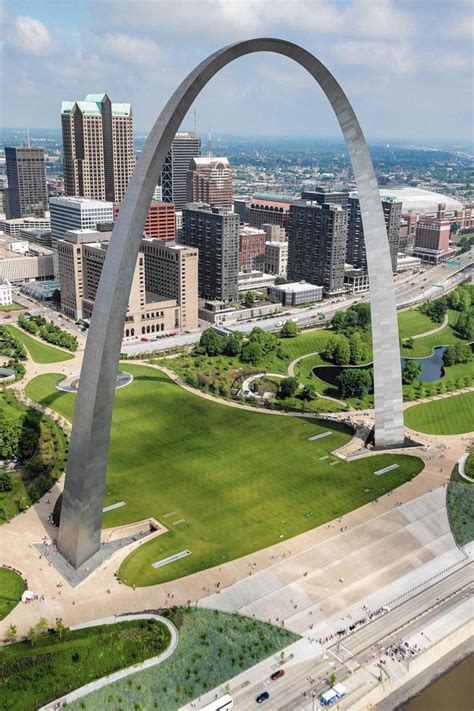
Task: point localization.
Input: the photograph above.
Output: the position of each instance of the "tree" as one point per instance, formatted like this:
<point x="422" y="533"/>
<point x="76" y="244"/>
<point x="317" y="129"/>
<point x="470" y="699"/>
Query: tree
<point x="332" y="679"/>
<point x="354" y="382"/>
<point x="309" y="393"/>
<point x="11" y="633"/>
<point x="357" y="348"/>
<point x="211" y="343"/>
<point x="42" y="626"/>
<point x="252" y="352"/>
<point x="288" y="387"/>
<point x="465" y="326"/>
<point x="436" y="310"/>
<point x="459" y="353"/>
<point x="290" y="329"/>
<point x="409" y="343"/>
<point x="338" y="321"/>
<point x="342" y="351"/>
<point x="10" y="430"/>
<point x="32" y="636"/>
<point x="59" y="627"/>
<point x="410" y="371"/>
<point x="280" y="280"/>
<point x="249" y="299"/>
<point x="6" y="483"/>
<point x="233" y="344"/>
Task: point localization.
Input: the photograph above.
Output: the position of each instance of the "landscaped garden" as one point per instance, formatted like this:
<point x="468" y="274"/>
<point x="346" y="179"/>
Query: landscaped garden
<point x="51" y="663"/>
<point x="12" y="587"/>
<point x="460" y="503"/>
<point x="48" y="331"/>
<point x="448" y="416"/>
<point x="34" y="451"/>
<point x="223" y="480"/>
<point x="39" y="352"/>
<point x="213" y="647"/>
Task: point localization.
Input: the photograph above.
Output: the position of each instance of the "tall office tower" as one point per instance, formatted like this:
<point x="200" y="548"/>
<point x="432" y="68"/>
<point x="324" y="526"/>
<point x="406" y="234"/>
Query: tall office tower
<point x="75" y="213"/>
<point x="160" y="221"/>
<point x="240" y="207"/>
<point x="215" y="232"/>
<point x="98" y="151"/>
<point x="186" y="145"/>
<point x="317" y="244"/>
<point x="209" y="180"/>
<point x="27" y="190"/>
<point x="355" y="253"/>
<point x="251" y="248"/>
<point x="163" y="296"/>
<point x="432" y="235"/>
<point x="322" y="194"/>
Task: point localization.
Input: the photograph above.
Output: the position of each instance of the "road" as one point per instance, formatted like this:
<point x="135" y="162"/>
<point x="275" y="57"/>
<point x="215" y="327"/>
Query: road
<point x="293" y="691"/>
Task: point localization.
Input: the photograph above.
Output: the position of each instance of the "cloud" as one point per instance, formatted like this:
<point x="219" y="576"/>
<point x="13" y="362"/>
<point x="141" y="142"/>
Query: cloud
<point x="380" y="56"/>
<point x="31" y="36"/>
<point x="463" y="27"/>
<point x="137" y="50"/>
<point x="454" y="62"/>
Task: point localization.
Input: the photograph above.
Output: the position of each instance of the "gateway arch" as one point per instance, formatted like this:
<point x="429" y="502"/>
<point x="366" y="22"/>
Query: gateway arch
<point x="81" y="518"/>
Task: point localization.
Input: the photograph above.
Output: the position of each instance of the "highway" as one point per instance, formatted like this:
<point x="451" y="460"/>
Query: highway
<point x="293" y="691"/>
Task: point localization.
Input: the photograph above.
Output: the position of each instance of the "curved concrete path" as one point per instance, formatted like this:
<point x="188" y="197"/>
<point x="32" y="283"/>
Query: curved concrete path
<point x="461" y="468"/>
<point x="122" y="673"/>
<point x="430" y="333"/>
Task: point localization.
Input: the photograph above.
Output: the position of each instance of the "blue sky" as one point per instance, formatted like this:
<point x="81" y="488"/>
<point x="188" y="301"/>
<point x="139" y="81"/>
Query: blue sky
<point x="406" y="65"/>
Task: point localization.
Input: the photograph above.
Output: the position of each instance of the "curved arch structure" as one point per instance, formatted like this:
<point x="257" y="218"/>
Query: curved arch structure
<point x="81" y="518"/>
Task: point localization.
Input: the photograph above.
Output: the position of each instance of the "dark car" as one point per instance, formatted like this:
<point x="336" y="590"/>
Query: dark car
<point x="262" y="697"/>
<point x="277" y="674"/>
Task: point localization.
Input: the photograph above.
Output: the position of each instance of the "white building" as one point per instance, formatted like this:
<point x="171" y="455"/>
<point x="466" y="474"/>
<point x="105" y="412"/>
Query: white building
<point x="12" y="228"/>
<point x="76" y="213"/>
<point x="296" y="293"/>
<point x="5" y="292"/>
<point x="276" y="258"/>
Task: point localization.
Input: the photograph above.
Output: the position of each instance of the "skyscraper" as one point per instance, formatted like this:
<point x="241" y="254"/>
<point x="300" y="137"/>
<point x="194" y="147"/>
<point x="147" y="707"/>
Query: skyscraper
<point x="209" y="180"/>
<point x="27" y="191"/>
<point x="355" y="253"/>
<point x="186" y="145"/>
<point x="317" y="244"/>
<point x="215" y="232"/>
<point x="98" y="147"/>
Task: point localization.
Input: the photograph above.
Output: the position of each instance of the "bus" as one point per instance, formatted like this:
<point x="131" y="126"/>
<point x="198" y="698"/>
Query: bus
<point x="223" y="704"/>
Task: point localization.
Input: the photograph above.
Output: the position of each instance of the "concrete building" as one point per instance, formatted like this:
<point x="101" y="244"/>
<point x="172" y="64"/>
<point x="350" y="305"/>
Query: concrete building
<point x="15" y="226"/>
<point x="76" y="213"/>
<point x="98" y="150"/>
<point x="297" y="293"/>
<point x="5" y="292"/>
<point x="323" y="194"/>
<point x="276" y="258"/>
<point x="356" y="250"/>
<point x="317" y="245"/>
<point x="27" y="191"/>
<point x="34" y="235"/>
<point x="254" y="280"/>
<point x="160" y="221"/>
<point x="356" y="281"/>
<point x="275" y="233"/>
<point x="240" y="207"/>
<point x="186" y="145"/>
<point x="408" y="224"/>
<point x="209" y="180"/>
<point x="265" y="207"/>
<point x="36" y="264"/>
<point x="215" y="233"/>
<point x="170" y="268"/>
<point x="432" y="234"/>
<point x="251" y="248"/>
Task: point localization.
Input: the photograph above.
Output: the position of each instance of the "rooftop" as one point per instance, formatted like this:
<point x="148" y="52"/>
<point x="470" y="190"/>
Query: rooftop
<point x="80" y="201"/>
<point x="297" y="286"/>
<point x="420" y="200"/>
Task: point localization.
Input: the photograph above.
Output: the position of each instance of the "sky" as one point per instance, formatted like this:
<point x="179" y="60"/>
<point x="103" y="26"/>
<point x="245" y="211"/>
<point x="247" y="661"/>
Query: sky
<point x="406" y="65"/>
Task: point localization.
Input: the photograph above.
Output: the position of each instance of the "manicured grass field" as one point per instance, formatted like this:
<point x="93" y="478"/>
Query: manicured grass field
<point x="213" y="647"/>
<point x="6" y="308"/>
<point x="423" y="347"/>
<point x="12" y="587"/>
<point x="236" y="481"/>
<point x="413" y="322"/>
<point x="39" y="352"/>
<point x="30" y="676"/>
<point x="451" y="415"/>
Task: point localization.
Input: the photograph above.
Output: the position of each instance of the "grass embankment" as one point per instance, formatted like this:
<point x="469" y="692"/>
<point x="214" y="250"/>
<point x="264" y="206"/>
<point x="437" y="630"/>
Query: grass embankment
<point x="423" y="347"/>
<point x="39" y="352"/>
<point x="413" y="323"/>
<point x="30" y="676"/>
<point x="12" y="587"/>
<point x="6" y="308"/>
<point x="213" y="647"/>
<point x="448" y="416"/>
<point x="232" y="481"/>
<point x="35" y="475"/>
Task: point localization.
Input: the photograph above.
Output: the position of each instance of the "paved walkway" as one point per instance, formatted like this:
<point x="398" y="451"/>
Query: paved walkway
<point x="122" y="673"/>
<point x="432" y="332"/>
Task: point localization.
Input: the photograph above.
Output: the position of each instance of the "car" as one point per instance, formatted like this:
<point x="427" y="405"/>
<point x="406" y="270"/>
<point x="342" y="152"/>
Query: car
<point x="262" y="697"/>
<point x="277" y="675"/>
<point x="144" y="339"/>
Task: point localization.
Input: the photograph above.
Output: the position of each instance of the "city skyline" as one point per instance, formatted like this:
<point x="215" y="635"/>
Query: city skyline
<point x="382" y="57"/>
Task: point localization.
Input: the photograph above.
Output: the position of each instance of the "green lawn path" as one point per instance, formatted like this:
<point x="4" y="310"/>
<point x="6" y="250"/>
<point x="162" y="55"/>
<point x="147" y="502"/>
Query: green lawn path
<point x="239" y="481"/>
<point x="12" y="587"/>
<point x="39" y="352"/>
<point x="448" y="416"/>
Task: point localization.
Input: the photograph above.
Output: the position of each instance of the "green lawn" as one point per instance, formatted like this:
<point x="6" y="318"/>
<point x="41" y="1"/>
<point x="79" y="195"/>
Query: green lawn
<point x="39" y="352"/>
<point x="238" y="481"/>
<point x="423" y="347"/>
<point x="6" y="308"/>
<point x="12" y="587"/>
<point x="451" y="415"/>
<point x="32" y="676"/>
<point x="213" y="647"/>
<point x="413" y="322"/>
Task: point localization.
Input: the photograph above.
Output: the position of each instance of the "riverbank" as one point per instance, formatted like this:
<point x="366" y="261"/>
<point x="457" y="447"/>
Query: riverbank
<point x="406" y="696"/>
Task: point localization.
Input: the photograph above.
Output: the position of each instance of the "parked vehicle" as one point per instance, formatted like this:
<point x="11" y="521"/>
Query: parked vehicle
<point x="277" y="675"/>
<point x="262" y="697"/>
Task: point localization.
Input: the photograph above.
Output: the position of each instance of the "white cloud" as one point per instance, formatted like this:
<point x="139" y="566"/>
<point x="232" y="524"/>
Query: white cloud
<point x="31" y="36"/>
<point x="131" y="49"/>
<point x="454" y="62"/>
<point x="463" y="27"/>
<point x="380" y="56"/>
<point x="378" y="18"/>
